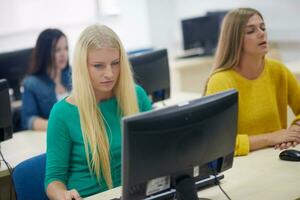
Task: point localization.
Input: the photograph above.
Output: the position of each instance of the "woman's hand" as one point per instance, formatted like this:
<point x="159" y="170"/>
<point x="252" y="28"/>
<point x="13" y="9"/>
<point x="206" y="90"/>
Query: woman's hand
<point x="286" y="145"/>
<point x="72" y="195"/>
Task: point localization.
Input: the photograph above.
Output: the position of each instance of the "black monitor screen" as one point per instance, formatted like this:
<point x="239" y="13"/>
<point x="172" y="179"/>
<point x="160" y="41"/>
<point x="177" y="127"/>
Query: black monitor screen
<point x="13" y="67"/>
<point x="201" y="32"/>
<point x="163" y="147"/>
<point x="151" y="71"/>
<point x="5" y="112"/>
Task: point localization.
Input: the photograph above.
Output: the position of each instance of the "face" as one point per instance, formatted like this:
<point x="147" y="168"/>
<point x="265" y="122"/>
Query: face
<point x="255" y="39"/>
<point x="104" y="68"/>
<point x="61" y="53"/>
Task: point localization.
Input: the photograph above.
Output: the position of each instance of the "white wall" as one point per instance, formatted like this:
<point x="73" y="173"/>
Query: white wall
<point x="281" y="18"/>
<point x="21" y="21"/>
<point x="139" y="23"/>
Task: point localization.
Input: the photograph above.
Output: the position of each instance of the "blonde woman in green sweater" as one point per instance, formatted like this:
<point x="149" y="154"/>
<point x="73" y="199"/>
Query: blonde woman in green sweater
<point x="84" y="129"/>
<point x="266" y="87"/>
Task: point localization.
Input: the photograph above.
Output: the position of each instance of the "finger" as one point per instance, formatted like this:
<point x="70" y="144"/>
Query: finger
<point x="276" y="146"/>
<point x="282" y="146"/>
<point x="68" y="195"/>
<point x="288" y="145"/>
<point x="75" y="195"/>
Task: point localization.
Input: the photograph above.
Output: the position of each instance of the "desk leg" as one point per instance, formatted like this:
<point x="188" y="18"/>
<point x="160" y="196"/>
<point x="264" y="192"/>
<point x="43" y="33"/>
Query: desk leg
<point x="5" y="186"/>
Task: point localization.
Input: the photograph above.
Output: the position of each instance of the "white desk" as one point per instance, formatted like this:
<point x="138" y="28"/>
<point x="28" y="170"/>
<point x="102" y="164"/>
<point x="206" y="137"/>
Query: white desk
<point x="258" y="176"/>
<point x="22" y="146"/>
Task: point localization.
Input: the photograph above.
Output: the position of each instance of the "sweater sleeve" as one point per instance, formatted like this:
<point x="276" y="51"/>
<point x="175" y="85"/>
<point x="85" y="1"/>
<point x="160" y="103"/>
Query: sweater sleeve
<point x="58" y="149"/>
<point x="293" y="95"/>
<point x="242" y="145"/>
<point x="218" y="83"/>
<point x="29" y="111"/>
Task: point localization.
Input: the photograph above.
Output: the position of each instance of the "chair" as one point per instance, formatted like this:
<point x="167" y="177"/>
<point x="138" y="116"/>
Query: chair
<point x="28" y="178"/>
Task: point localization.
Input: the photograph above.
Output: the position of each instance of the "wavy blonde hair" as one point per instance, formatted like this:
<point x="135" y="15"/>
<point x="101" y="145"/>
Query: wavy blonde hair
<point x="91" y="119"/>
<point x="231" y="38"/>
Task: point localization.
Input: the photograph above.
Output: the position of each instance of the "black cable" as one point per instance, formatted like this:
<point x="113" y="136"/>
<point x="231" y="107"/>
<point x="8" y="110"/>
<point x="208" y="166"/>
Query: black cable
<point x="10" y="170"/>
<point x="217" y="182"/>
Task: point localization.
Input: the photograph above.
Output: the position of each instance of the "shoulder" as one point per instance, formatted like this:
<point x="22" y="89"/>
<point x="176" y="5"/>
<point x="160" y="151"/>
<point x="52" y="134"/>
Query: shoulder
<point x="31" y="80"/>
<point x="139" y="90"/>
<point x="34" y="82"/>
<point x="62" y="108"/>
<point x="220" y="77"/>
<point x="143" y="100"/>
<point x="220" y="81"/>
<point x="274" y="64"/>
<point x="276" y="67"/>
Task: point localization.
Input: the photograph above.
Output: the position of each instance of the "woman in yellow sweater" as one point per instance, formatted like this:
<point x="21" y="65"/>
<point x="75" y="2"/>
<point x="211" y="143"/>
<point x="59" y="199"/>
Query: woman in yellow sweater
<point x="266" y="87"/>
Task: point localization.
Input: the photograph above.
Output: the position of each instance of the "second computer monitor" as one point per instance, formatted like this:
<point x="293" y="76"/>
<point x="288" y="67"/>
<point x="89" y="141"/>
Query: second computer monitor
<point x="201" y="32"/>
<point x="6" y="129"/>
<point x="13" y="68"/>
<point x="151" y="71"/>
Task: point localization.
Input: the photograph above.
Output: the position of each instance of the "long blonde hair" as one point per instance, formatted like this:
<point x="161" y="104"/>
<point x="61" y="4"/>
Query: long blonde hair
<point x="231" y="37"/>
<point x="91" y="119"/>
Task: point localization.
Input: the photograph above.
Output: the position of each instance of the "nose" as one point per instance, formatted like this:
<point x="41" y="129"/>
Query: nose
<point x="108" y="73"/>
<point x="261" y="32"/>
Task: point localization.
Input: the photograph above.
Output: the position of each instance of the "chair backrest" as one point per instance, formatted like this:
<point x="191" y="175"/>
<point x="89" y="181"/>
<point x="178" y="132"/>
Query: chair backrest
<point x="28" y="178"/>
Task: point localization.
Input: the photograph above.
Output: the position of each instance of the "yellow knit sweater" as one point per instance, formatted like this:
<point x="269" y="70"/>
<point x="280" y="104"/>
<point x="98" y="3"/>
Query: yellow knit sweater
<point x="262" y="102"/>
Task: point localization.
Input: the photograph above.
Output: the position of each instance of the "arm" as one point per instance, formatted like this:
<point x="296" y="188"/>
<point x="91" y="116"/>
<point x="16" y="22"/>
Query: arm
<point x="245" y="143"/>
<point x="59" y="146"/>
<point x="56" y="190"/>
<point x="30" y="111"/>
<point x="39" y="124"/>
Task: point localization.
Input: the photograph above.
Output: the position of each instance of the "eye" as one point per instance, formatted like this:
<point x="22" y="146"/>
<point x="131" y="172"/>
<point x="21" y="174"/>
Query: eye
<point x="98" y="65"/>
<point x="249" y="31"/>
<point x="263" y="28"/>
<point x="116" y="63"/>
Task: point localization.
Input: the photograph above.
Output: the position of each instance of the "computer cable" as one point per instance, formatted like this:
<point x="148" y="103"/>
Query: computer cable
<point x="10" y="170"/>
<point x="217" y="182"/>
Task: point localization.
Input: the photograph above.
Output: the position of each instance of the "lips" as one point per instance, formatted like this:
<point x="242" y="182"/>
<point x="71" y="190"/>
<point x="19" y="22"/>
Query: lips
<point x="106" y="82"/>
<point x="262" y="43"/>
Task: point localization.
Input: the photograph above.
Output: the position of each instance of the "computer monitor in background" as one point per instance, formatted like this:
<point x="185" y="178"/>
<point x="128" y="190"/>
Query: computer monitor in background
<point x="13" y="67"/>
<point x="201" y="33"/>
<point x="164" y="150"/>
<point x="219" y="13"/>
<point x="151" y="71"/>
<point x="6" y="129"/>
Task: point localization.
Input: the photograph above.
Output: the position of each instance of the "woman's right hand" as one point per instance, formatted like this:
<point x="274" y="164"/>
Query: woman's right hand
<point x="72" y="195"/>
<point x="284" y="138"/>
<point x="57" y="190"/>
<point x="286" y="145"/>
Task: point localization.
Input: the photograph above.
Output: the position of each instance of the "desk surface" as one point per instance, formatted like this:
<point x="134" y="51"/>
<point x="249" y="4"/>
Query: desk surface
<point x="22" y="146"/>
<point x="260" y="175"/>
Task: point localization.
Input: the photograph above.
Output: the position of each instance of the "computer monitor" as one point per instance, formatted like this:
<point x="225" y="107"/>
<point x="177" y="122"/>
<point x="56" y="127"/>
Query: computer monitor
<point x="163" y="150"/>
<point x="220" y="13"/>
<point x="201" y="32"/>
<point x="6" y="129"/>
<point x="151" y="71"/>
<point x="13" y="67"/>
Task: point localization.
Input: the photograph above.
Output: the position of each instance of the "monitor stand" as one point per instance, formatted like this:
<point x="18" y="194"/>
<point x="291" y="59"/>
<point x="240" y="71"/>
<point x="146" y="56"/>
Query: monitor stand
<point x="186" y="189"/>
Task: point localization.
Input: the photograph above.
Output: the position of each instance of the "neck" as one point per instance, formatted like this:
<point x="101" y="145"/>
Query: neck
<point x="103" y="96"/>
<point x="250" y="66"/>
<point x="56" y="75"/>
